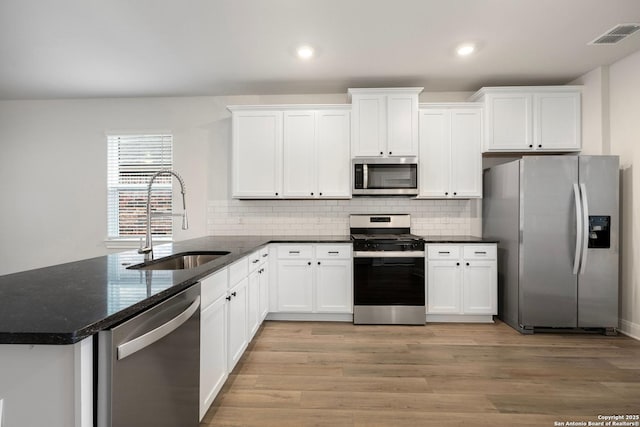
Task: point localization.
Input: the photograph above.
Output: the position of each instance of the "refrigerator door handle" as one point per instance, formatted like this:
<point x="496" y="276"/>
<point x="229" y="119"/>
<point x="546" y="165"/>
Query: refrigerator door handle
<point x="579" y="229"/>
<point x="585" y="227"/>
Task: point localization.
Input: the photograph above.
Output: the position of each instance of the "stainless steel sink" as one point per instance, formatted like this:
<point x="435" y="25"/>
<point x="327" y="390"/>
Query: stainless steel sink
<point x="181" y="261"/>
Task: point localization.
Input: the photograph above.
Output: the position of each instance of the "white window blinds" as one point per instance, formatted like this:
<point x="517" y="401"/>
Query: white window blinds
<point x="132" y="160"/>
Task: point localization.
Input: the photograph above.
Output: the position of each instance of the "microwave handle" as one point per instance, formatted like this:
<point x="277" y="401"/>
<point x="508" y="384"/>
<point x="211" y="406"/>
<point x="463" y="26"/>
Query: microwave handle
<point x="365" y="175"/>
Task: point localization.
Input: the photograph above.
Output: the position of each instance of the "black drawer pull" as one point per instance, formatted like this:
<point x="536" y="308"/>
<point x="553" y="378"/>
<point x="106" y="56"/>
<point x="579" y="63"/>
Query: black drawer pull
<point x="480" y="252"/>
<point x="443" y="252"/>
<point x="294" y="252"/>
<point x="233" y="293"/>
<point x="254" y="261"/>
<point x="265" y="255"/>
<point x="334" y="252"/>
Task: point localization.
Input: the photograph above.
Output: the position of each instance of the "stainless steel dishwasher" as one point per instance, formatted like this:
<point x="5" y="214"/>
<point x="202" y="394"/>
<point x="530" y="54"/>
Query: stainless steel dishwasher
<point x="148" y="366"/>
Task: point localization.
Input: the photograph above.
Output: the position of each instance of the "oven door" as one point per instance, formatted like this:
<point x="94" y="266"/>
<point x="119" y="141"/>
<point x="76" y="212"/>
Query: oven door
<point x="389" y="287"/>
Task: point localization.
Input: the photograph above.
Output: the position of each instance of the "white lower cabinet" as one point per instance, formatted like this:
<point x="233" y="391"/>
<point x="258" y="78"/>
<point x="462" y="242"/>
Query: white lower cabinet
<point x="462" y="282"/>
<point x="213" y="337"/>
<point x="238" y="337"/>
<point x="333" y="286"/>
<point x="313" y="279"/>
<point x="295" y="285"/>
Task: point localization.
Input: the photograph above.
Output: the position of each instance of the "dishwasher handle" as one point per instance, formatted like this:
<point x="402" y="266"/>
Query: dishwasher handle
<point x="137" y="344"/>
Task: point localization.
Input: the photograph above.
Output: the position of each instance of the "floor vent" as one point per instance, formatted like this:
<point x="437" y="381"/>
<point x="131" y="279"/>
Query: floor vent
<point x="617" y="33"/>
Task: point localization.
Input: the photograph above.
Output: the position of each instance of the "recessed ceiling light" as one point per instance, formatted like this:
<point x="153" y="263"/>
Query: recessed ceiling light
<point x="305" y="52"/>
<point x="465" y="49"/>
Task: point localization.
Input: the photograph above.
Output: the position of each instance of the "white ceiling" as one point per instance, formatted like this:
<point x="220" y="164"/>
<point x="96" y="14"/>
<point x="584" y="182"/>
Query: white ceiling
<point x="115" y="48"/>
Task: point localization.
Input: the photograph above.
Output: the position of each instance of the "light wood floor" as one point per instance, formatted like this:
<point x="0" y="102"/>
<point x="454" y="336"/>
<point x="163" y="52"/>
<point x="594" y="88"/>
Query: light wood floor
<point x="338" y="374"/>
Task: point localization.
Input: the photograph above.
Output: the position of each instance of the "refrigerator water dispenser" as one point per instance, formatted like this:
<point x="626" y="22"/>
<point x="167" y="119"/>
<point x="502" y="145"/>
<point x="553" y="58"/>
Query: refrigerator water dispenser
<point x="599" y="232"/>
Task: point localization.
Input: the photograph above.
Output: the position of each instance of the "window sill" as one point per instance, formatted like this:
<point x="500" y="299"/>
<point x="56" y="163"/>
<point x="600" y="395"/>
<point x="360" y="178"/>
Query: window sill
<point x="133" y="243"/>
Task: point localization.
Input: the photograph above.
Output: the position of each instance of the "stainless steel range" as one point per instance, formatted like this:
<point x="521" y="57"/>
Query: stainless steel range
<point x="388" y="271"/>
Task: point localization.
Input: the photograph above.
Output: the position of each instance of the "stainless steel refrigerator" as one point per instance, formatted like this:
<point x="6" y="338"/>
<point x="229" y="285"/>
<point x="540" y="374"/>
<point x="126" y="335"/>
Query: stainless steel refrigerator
<point x="557" y="220"/>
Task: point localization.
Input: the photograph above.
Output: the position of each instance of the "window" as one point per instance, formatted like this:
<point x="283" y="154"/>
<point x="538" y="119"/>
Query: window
<point x="132" y="161"/>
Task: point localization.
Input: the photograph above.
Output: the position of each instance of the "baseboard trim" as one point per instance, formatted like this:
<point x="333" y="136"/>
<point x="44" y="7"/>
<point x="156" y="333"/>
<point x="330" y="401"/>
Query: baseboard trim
<point x="630" y="329"/>
<point x="312" y="317"/>
<point x="460" y="318"/>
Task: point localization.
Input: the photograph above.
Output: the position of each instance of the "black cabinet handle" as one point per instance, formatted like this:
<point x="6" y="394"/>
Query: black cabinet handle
<point x="457" y="263"/>
<point x="228" y="298"/>
<point x="294" y="252"/>
<point x="233" y="293"/>
<point x="454" y="193"/>
<point x="539" y="145"/>
<point x="530" y="145"/>
<point x="312" y="194"/>
<point x="309" y="263"/>
<point x="390" y="153"/>
<point x="334" y="252"/>
<point x="443" y="252"/>
<point x="265" y="255"/>
<point x="318" y="262"/>
<point x="254" y="261"/>
<point x="446" y="193"/>
<point x="480" y="252"/>
<point x="381" y="153"/>
<point x="276" y="194"/>
<point x="467" y="263"/>
<point x="321" y="194"/>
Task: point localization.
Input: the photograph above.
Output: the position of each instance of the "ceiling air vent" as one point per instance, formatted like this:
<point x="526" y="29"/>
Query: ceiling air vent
<point x="616" y="34"/>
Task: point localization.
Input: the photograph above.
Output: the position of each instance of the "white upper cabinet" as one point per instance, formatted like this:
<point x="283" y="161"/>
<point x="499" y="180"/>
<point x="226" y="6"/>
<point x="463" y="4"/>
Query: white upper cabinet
<point x="538" y="118"/>
<point x="333" y="154"/>
<point x="450" y="150"/>
<point x="384" y="122"/>
<point x="316" y="154"/>
<point x="299" y="153"/>
<point x="257" y="154"/>
<point x="288" y="151"/>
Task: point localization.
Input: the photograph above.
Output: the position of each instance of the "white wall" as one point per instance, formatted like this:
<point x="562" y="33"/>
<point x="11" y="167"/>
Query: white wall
<point x="53" y="171"/>
<point x="624" y="99"/>
<point x="595" y="113"/>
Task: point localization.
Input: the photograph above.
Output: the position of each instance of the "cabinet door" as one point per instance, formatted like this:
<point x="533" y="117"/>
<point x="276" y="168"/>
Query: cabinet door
<point x="333" y="286"/>
<point x="402" y="125"/>
<point x="213" y="352"/>
<point x="368" y="138"/>
<point x="257" y="153"/>
<point x="295" y="284"/>
<point x="435" y="153"/>
<point x="263" y="271"/>
<point x="557" y="124"/>
<point x="333" y="154"/>
<point x="299" y="154"/>
<point x="466" y="153"/>
<point x="237" y="329"/>
<point x="253" y="305"/>
<point x="509" y="122"/>
<point x="444" y="283"/>
<point x="480" y="287"/>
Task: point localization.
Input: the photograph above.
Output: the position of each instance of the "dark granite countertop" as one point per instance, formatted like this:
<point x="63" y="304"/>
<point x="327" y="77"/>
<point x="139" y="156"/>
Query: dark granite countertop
<point x="457" y="239"/>
<point x="65" y="303"/>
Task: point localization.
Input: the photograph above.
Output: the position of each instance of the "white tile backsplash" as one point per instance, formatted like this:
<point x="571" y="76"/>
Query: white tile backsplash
<point x="331" y="217"/>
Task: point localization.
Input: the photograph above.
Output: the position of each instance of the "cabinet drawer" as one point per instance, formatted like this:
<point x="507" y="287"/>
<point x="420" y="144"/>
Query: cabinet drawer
<point x="238" y="271"/>
<point x="480" y="252"/>
<point x="333" y="251"/>
<point x="295" y="251"/>
<point x="213" y="287"/>
<point x="443" y="252"/>
<point x="254" y="261"/>
<point x="264" y="255"/>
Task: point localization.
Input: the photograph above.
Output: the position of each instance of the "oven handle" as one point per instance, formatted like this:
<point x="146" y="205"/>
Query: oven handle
<point x="388" y="254"/>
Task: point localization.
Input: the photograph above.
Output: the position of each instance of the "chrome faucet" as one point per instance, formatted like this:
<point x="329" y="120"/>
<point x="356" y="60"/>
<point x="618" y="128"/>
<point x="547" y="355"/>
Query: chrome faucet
<point x="147" y="249"/>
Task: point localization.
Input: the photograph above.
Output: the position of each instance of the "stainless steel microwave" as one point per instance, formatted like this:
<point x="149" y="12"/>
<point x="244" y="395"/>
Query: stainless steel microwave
<point x="385" y="176"/>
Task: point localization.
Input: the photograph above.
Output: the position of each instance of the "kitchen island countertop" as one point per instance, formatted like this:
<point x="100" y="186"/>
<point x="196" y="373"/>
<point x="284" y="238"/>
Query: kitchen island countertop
<point x="66" y="303"/>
